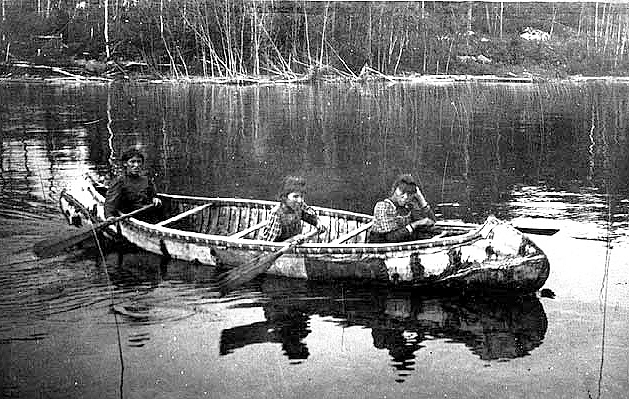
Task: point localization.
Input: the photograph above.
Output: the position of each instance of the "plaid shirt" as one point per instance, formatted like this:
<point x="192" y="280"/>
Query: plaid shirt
<point x="388" y="217"/>
<point x="284" y="222"/>
<point x="390" y="220"/>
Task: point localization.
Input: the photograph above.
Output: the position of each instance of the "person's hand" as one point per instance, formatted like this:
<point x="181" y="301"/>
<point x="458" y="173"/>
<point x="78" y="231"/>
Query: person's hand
<point x="157" y="202"/>
<point x="299" y="238"/>
<point x="425" y="222"/>
<point x="418" y="197"/>
<point x="321" y="228"/>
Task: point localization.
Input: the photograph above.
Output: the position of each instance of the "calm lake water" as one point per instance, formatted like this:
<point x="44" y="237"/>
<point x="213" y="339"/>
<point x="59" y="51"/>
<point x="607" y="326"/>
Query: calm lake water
<point x="548" y="155"/>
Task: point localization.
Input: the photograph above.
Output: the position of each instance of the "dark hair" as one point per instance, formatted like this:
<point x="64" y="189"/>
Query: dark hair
<point x="291" y="184"/>
<point x="130" y="153"/>
<point x="406" y="183"/>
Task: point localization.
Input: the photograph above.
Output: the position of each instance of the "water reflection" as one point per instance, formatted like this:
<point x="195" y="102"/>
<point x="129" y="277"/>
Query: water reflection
<point x="471" y="144"/>
<point x="400" y="323"/>
<point x="151" y="289"/>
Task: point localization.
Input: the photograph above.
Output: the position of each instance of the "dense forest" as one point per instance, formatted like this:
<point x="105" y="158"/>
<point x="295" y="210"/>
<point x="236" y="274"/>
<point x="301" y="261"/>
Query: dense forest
<point x="235" y="38"/>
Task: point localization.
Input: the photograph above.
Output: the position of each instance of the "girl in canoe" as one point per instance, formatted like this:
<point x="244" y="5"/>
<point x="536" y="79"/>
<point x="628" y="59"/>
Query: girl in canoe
<point x="285" y="219"/>
<point x="404" y="216"/>
<point x="132" y="190"/>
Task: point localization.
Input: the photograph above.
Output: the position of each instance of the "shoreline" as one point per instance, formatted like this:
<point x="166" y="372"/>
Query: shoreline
<point x="26" y="72"/>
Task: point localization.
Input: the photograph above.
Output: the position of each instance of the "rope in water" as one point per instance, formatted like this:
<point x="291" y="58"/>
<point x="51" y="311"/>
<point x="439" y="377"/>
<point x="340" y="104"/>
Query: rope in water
<point x="111" y="297"/>
<point x="603" y="292"/>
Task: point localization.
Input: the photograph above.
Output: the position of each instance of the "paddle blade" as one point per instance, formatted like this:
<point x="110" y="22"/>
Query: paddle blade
<point x="537" y="231"/>
<point x="247" y="272"/>
<point x="55" y="246"/>
<point x="58" y="245"/>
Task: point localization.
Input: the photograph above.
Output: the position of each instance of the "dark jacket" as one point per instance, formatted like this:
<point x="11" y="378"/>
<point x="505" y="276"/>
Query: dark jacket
<point x="128" y="193"/>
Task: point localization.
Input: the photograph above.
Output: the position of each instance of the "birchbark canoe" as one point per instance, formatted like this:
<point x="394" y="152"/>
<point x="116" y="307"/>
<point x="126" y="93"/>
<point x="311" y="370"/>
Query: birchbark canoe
<point x="492" y="256"/>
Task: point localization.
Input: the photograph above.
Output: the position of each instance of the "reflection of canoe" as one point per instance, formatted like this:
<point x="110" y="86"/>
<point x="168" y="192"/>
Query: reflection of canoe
<point x="491" y="256"/>
<point x="399" y="322"/>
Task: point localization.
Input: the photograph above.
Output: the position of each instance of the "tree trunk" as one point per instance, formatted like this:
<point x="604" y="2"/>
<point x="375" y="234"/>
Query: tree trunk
<point x="552" y="22"/>
<point x="307" y="37"/>
<point x="106" y="29"/>
<point x="369" y="41"/>
<point x="580" y="19"/>
<point x="596" y="26"/>
<point x="501" y="16"/>
<point x="161" y="30"/>
<point x="325" y="21"/>
<point x="4" y="18"/>
<point x="256" y="40"/>
<point x="469" y="27"/>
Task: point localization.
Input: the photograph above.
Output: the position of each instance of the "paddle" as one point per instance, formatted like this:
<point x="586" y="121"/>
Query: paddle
<point x="542" y="231"/>
<point x="537" y="230"/>
<point x="258" y="265"/>
<point x="56" y="245"/>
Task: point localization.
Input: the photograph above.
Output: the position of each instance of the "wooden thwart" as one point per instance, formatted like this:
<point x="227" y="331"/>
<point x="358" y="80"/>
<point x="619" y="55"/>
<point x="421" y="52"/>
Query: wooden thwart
<point x="352" y="234"/>
<point x="183" y="215"/>
<point x="249" y="230"/>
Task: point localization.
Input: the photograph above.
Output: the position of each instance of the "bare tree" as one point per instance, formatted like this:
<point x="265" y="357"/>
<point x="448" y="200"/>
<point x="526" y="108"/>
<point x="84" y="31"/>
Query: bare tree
<point x="106" y="28"/>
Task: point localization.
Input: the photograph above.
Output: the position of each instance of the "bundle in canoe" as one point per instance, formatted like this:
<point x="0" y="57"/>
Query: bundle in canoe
<point x="492" y="256"/>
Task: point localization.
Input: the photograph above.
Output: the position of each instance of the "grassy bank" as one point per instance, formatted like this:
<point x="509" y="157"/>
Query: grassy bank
<point x="239" y="41"/>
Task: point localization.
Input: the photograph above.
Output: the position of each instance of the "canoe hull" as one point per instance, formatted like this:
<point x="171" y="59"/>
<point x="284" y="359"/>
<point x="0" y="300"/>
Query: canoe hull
<point x="489" y="257"/>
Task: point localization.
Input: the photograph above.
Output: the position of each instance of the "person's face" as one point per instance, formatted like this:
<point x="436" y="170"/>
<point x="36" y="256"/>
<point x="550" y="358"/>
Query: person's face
<point x="294" y="200"/>
<point x="400" y="197"/>
<point x="134" y="165"/>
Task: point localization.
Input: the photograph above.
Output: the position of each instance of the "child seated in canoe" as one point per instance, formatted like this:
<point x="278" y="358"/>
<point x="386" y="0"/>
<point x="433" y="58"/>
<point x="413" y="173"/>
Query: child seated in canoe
<point x="132" y="190"/>
<point x="285" y="219"/>
<point x="404" y="216"/>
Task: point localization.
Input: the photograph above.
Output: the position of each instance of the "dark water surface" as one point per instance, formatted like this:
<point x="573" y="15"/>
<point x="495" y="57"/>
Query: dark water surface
<point x="551" y="155"/>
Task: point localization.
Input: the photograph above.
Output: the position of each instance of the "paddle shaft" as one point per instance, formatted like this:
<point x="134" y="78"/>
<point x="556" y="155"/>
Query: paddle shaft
<point x="57" y="245"/>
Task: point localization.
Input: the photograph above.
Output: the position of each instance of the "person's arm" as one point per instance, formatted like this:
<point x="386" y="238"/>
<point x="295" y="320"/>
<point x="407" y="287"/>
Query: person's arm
<point x="112" y="198"/>
<point x="273" y="229"/>
<point x="152" y="193"/>
<point x="309" y="216"/>
<point x="422" y="214"/>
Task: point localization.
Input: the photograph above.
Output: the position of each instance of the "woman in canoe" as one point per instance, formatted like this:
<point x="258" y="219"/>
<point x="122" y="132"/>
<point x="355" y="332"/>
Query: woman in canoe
<point x="132" y="190"/>
<point x="285" y="219"/>
<point x="404" y="216"/>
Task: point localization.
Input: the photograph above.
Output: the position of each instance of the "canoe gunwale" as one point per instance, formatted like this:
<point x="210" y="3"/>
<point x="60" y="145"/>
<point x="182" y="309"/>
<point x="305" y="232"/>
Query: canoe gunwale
<point x="322" y="211"/>
<point x="305" y="248"/>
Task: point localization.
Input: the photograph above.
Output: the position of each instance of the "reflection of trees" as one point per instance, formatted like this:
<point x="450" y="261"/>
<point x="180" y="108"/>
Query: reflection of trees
<point x="44" y="143"/>
<point x="399" y="322"/>
<point x="469" y="143"/>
